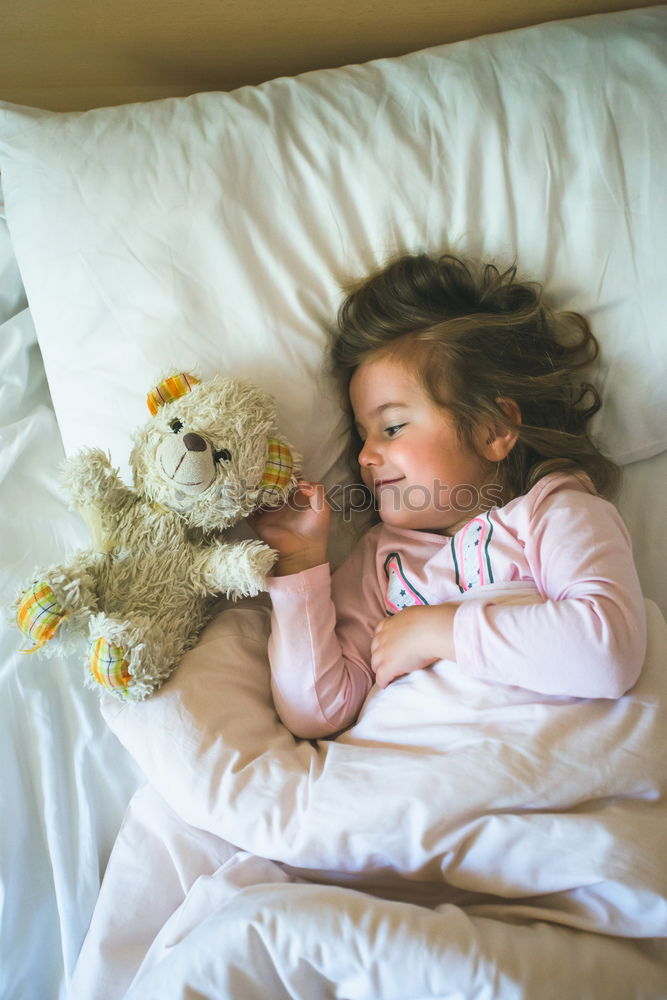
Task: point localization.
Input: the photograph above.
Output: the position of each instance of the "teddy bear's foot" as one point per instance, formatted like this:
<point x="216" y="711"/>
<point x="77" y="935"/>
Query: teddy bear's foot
<point x="109" y="665"/>
<point x="57" y="603"/>
<point x="39" y="614"/>
<point x="130" y="658"/>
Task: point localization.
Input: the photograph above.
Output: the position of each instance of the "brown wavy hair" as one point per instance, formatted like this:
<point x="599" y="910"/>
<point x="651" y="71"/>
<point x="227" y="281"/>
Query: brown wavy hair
<point x="474" y="334"/>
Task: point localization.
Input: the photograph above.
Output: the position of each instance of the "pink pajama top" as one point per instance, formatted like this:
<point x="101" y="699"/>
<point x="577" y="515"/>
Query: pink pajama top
<point x="586" y="636"/>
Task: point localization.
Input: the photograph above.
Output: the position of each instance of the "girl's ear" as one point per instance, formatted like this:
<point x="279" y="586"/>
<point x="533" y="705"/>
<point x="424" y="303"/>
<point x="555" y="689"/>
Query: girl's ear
<point x="498" y="439"/>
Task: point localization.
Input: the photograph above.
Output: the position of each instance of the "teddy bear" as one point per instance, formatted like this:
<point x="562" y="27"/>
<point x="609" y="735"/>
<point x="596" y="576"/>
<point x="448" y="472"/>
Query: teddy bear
<point x="208" y="456"/>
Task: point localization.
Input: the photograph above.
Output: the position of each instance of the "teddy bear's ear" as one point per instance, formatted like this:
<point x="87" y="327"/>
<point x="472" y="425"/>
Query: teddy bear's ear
<point x="169" y="389"/>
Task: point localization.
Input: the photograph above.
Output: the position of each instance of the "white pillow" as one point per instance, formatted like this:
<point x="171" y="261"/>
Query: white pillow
<point x="216" y="231"/>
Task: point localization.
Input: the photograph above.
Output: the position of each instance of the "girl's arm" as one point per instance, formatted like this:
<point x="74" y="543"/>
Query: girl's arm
<point x="319" y="675"/>
<point x="588" y="638"/>
<point x="319" y="651"/>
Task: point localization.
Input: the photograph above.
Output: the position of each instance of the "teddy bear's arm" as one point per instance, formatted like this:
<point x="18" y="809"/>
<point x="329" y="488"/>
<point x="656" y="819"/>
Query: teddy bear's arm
<point x="238" y="569"/>
<point x="91" y="480"/>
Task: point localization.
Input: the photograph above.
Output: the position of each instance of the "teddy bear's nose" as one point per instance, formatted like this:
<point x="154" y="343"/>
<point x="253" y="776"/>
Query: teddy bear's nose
<point x="193" y="442"/>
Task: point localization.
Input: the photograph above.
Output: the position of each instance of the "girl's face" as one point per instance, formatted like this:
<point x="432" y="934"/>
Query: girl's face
<point x="421" y="476"/>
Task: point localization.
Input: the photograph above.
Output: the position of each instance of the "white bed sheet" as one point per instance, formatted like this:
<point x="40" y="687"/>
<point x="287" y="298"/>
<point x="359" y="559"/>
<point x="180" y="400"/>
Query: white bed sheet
<point x="65" y="781"/>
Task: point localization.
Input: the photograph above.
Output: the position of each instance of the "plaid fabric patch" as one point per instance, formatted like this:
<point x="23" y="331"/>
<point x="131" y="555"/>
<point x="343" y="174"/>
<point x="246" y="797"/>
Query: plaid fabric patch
<point x="279" y="466"/>
<point x="108" y="665"/>
<point x="39" y="614"/>
<point x="172" y="388"/>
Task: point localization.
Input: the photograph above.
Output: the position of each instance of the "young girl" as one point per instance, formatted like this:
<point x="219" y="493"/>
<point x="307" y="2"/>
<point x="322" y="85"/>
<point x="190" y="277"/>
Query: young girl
<point x="471" y="424"/>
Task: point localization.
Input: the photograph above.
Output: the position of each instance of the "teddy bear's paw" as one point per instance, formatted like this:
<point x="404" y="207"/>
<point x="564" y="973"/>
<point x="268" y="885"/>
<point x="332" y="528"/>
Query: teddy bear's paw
<point x="39" y="614"/>
<point x="253" y="564"/>
<point x="77" y="468"/>
<point x="89" y="477"/>
<point x="238" y="569"/>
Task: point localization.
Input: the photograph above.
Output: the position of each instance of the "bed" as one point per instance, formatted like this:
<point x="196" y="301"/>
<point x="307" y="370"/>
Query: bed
<point x="459" y="841"/>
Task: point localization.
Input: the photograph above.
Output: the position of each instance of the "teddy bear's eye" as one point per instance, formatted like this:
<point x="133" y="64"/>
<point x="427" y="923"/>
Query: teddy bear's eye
<point x="222" y="456"/>
<point x="176" y="426"/>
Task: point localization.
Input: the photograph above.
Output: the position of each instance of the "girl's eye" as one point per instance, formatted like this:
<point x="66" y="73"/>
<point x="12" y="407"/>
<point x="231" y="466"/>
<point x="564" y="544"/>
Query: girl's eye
<point x="176" y="426"/>
<point x="393" y="430"/>
<point x="223" y="455"/>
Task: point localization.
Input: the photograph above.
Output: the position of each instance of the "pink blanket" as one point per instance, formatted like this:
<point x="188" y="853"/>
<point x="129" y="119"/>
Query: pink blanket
<point x="453" y="804"/>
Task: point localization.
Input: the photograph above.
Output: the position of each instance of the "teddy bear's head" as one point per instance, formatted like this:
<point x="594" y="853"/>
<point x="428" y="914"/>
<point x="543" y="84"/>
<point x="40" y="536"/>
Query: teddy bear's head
<point x="211" y="451"/>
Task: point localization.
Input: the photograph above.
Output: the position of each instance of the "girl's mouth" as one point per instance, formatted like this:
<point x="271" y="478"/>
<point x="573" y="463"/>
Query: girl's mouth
<point x="387" y="482"/>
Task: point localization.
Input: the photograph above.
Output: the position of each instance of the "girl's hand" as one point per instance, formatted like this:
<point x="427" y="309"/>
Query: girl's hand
<point x="298" y="530"/>
<point x="411" y="640"/>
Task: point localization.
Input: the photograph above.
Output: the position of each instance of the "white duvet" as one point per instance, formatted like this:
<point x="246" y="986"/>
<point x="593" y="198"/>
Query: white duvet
<point x="471" y="815"/>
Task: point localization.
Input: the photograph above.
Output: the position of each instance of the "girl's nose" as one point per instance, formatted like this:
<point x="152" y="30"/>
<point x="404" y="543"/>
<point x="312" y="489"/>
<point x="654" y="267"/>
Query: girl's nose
<point x="368" y="454"/>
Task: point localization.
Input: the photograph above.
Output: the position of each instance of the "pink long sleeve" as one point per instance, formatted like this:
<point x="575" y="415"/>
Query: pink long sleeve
<point x="320" y="652"/>
<point x="588" y="639"/>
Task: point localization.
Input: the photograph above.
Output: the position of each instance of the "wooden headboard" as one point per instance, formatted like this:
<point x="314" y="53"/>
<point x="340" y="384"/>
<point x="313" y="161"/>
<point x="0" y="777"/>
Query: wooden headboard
<point x="77" y="54"/>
